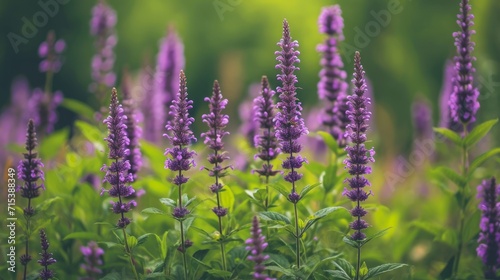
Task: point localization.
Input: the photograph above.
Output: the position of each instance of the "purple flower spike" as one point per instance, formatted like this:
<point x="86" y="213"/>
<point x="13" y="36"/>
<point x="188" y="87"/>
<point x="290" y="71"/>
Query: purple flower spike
<point x="332" y="86"/>
<point x="216" y="122"/>
<point x="51" y="50"/>
<point x="266" y="142"/>
<point x="117" y="173"/>
<point x="170" y="62"/>
<point x="463" y="101"/>
<point x="102" y="26"/>
<point x="46" y="258"/>
<point x="489" y="237"/>
<point x="357" y="155"/>
<point x="289" y="122"/>
<point x="152" y="109"/>
<point x="44" y="106"/>
<point x="256" y="246"/>
<point x="92" y="256"/>
<point x="133" y="130"/>
<point x="422" y="119"/>
<point x="30" y="170"/>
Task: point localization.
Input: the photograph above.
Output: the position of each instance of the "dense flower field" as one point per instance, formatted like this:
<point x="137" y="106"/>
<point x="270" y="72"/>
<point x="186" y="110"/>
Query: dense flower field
<point x="131" y="190"/>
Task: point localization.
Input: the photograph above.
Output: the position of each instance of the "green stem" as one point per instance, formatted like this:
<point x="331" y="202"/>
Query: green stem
<point x="297" y="245"/>
<point x="129" y="253"/>
<point x="48" y="82"/>
<point x="222" y="249"/>
<point x="183" y="244"/>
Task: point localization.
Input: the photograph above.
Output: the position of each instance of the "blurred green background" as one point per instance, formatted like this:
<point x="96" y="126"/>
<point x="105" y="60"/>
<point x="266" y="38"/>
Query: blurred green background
<point x="234" y="41"/>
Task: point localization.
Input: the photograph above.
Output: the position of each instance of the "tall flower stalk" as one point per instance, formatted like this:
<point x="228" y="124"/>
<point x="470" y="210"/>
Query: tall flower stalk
<point x="256" y="246"/>
<point x="489" y="237"/>
<point x="358" y="156"/>
<point x="46" y="258"/>
<point x="134" y="132"/>
<point x="30" y="172"/>
<point x="117" y="174"/>
<point x="332" y="86"/>
<point x="288" y="121"/>
<point x="217" y="122"/>
<point x="92" y="256"/>
<point x="463" y="104"/>
<point x="266" y="142"/>
<point x="180" y="157"/>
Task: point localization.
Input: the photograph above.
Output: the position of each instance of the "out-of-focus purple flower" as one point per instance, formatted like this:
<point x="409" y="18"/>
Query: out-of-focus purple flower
<point x="489" y="237"/>
<point x="358" y="156"/>
<point x="170" y="61"/>
<point x="45" y="109"/>
<point x="133" y="130"/>
<point x="30" y="170"/>
<point x="187" y="243"/>
<point x="332" y="85"/>
<point x="51" y="50"/>
<point x="92" y="256"/>
<point x="422" y="119"/>
<point x="152" y="108"/>
<point x="463" y="99"/>
<point x="246" y="111"/>
<point x="288" y="121"/>
<point x="445" y="118"/>
<point x="46" y="258"/>
<point x="256" y="246"/>
<point x="180" y="134"/>
<point x="117" y="173"/>
<point x="216" y="122"/>
<point x="102" y="26"/>
<point x="266" y="142"/>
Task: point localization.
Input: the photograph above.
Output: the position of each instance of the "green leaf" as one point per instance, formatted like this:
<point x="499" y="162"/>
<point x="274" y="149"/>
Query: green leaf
<point x="227" y="199"/>
<point x="112" y="276"/>
<point x="46" y="204"/>
<point x="132" y="241"/>
<point x="337" y="274"/>
<point x="280" y="188"/>
<point x="329" y="177"/>
<point x="481" y="159"/>
<point x="471" y="227"/>
<point x="450" y="134"/>
<point x="382" y="269"/>
<point x="152" y="210"/>
<point x="345" y="266"/>
<point x="377" y="234"/>
<point x="219" y="273"/>
<point x="274" y="216"/>
<point x="82" y="235"/>
<point x="52" y="144"/>
<point x="168" y="201"/>
<point x="110" y="244"/>
<point x="317" y="216"/>
<point x="143" y="238"/>
<point x="329" y="141"/>
<point x="478" y="133"/>
<point x="78" y="107"/>
<point x="450" y="237"/>
<point x="349" y="241"/>
<point x="451" y="175"/>
<point x="92" y="134"/>
<point x="285" y="271"/>
<point x="307" y="189"/>
<point x="363" y="270"/>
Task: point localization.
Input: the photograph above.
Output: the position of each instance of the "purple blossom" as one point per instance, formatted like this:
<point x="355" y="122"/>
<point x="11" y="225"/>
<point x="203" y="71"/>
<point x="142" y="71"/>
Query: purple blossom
<point x="256" y="246"/>
<point x="445" y="118"/>
<point x="180" y="212"/>
<point x="266" y="142"/>
<point x="30" y="171"/>
<point x="152" y="108"/>
<point x="288" y="121"/>
<point x="216" y="122"/>
<point x="422" y="119"/>
<point x="44" y="106"/>
<point x="170" y="61"/>
<point x="489" y="237"/>
<point x="46" y="258"/>
<point x="92" y="256"/>
<point x="51" y="50"/>
<point x="133" y="130"/>
<point x="357" y="155"/>
<point x="102" y="26"/>
<point x="246" y="111"/>
<point x="117" y="173"/>
<point x="463" y="99"/>
<point x="332" y="85"/>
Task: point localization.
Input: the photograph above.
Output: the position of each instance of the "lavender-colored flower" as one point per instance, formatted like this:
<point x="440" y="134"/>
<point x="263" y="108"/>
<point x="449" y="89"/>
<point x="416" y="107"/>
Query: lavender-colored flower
<point x="216" y="122"/>
<point x="133" y="130"/>
<point x="256" y="246"/>
<point x="92" y="256"/>
<point x="463" y="100"/>
<point x="44" y="106"/>
<point x="152" y="108"/>
<point x="489" y="237"/>
<point x="30" y="170"/>
<point x="288" y="121"/>
<point x="332" y="85"/>
<point x="46" y="258"/>
<point x="422" y="119"/>
<point x="357" y="155"/>
<point x="170" y="61"/>
<point x="51" y="50"/>
<point x="246" y="111"/>
<point x="445" y="118"/>
<point x="117" y="173"/>
<point x="102" y="26"/>
<point x="266" y="142"/>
